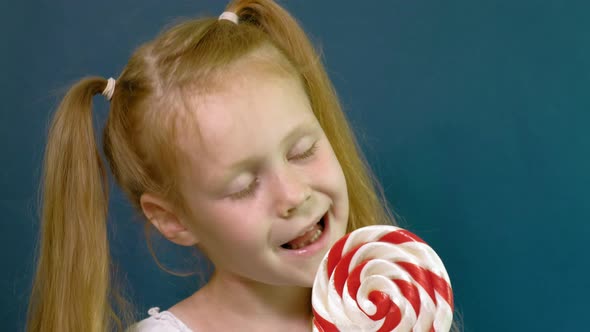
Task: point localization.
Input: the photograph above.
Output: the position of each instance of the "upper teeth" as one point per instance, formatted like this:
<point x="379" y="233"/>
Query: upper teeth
<point x="307" y="229"/>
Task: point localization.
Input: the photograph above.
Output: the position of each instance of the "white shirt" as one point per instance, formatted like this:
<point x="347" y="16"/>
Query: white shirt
<point x="158" y="321"/>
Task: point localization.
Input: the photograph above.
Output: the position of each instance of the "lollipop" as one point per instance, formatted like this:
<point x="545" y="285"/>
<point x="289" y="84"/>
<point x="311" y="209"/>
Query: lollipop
<point x="382" y="278"/>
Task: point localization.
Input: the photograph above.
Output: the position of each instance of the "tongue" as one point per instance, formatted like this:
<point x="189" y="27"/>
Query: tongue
<point x="304" y="238"/>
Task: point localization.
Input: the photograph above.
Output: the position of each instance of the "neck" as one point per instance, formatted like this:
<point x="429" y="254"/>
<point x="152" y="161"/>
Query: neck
<point x="238" y="300"/>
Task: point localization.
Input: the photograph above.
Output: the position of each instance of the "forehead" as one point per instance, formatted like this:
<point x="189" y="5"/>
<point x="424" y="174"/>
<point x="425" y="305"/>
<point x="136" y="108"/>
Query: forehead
<point x="246" y="118"/>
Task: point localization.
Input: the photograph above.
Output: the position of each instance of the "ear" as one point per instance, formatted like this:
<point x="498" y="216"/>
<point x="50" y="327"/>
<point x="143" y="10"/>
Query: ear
<point x="163" y="216"/>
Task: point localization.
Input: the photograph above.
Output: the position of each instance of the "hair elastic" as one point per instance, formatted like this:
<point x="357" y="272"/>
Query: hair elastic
<point x="110" y="89"/>
<point x="230" y="16"/>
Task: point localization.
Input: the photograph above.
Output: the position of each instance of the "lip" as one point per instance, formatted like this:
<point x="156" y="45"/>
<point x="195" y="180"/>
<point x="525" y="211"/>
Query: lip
<point x="318" y="245"/>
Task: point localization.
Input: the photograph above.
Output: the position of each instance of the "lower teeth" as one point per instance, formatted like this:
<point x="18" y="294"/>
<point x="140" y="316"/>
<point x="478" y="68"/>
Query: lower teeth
<point x="306" y="243"/>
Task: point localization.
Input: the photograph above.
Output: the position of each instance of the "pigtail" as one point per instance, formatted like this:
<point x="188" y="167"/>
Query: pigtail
<point x="368" y="203"/>
<point x="71" y="287"/>
<point x="278" y="24"/>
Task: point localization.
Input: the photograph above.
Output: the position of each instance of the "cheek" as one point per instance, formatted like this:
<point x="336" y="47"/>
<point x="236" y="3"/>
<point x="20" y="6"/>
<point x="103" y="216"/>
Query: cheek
<point x="328" y="172"/>
<point x="231" y="224"/>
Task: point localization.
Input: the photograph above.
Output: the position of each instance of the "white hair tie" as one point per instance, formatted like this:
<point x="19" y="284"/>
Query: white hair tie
<point x="110" y="89"/>
<point x="232" y="17"/>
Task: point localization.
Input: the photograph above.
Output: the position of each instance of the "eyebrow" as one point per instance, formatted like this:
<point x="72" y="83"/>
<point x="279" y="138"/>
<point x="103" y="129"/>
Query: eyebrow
<point x="301" y="129"/>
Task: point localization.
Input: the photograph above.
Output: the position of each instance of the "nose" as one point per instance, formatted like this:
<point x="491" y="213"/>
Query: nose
<point x="291" y="192"/>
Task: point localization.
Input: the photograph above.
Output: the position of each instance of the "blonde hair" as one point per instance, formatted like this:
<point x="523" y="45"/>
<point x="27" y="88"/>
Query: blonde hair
<point x="72" y="290"/>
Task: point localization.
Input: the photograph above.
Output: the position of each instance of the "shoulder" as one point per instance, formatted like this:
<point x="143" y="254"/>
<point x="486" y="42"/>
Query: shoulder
<point x="158" y="321"/>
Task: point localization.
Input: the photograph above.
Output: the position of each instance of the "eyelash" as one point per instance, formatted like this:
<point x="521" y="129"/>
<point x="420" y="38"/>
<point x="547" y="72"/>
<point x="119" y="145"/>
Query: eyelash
<point x="310" y="152"/>
<point x="254" y="184"/>
<point x="246" y="192"/>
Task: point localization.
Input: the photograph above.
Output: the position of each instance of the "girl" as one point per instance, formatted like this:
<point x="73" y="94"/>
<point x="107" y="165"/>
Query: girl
<point x="227" y="135"/>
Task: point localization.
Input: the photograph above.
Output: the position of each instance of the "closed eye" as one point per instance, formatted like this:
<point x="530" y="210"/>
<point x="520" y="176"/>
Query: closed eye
<point x="307" y="154"/>
<point x="247" y="191"/>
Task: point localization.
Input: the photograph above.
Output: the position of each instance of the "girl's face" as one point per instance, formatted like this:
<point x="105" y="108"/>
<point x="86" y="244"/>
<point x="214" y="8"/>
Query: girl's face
<point x="266" y="192"/>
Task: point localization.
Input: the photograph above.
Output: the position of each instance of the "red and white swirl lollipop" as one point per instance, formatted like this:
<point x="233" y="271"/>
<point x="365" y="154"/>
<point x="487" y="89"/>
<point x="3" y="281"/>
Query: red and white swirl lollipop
<point x="382" y="278"/>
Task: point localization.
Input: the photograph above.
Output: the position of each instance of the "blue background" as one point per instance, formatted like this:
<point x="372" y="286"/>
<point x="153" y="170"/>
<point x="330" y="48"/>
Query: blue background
<point x="474" y="115"/>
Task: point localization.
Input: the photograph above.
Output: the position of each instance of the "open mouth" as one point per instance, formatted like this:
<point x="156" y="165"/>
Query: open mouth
<point x="310" y="235"/>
